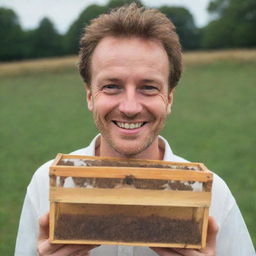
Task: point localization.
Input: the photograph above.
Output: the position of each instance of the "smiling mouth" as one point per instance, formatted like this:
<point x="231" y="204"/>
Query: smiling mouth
<point x="129" y="126"/>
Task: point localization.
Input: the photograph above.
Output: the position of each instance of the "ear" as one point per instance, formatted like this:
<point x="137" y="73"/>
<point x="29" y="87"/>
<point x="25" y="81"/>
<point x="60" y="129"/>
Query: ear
<point x="169" y="101"/>
<point x="89" y="98"/>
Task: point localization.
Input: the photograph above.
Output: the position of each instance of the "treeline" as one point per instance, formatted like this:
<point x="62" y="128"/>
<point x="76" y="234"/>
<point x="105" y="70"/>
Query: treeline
<point x="233" y="25"/>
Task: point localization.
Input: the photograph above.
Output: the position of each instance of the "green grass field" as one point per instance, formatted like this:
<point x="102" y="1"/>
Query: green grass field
<point x="213" y="121"/>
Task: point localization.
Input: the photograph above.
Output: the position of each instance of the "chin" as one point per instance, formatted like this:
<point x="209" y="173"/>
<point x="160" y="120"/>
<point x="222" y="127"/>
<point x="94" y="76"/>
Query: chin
<point x="130" y="151"/>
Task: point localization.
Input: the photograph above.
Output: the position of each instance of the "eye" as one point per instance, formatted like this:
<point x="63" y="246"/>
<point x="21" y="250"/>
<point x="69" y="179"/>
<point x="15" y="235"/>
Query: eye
<point x="149" y="89"/>
<point x="111" y="88"/>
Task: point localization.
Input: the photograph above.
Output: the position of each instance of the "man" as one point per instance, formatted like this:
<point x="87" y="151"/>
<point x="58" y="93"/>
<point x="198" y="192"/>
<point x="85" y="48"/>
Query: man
<point x="130" y="61"/>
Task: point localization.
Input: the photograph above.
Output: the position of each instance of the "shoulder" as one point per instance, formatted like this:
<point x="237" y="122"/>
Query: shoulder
<point x="222" y="202"/>
<point x="233" y="236"/>
<point x="38" y="188"/>
<point x="41" y="175"/>
<point x="222" y="199"/>
<point x="90" y="149"/>
<point x="176" y="158"/>
<point x="40" y="178"/>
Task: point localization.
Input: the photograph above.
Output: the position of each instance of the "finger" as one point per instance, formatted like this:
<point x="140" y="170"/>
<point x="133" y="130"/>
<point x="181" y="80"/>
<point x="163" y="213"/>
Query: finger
<point x="187" y="252"/>
<point x="210" y="243"/>
<point x="82" y="252"/>
<point x="165" y="251"/>
<point x="44" y="227"/>
<point x="46" y="248"/>
<point x="86" y="250"/>
<point x="211" y="233"/>
<point x="73" y="250"/>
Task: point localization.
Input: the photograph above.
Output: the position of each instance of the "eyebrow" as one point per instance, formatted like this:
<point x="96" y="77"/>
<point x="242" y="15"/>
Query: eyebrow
<point x="118" y="80"/>
<point x="151" y="81"/>
<point x="113" y="80"/>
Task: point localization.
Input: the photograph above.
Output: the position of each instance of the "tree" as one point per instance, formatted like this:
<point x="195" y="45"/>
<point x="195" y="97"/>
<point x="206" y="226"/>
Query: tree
<point x="45" y="40"/>
<point x="75" y="31"/>
<point x="233" y="25"/>
<point x="11" y="35"/>
<point x="185" y="25"/>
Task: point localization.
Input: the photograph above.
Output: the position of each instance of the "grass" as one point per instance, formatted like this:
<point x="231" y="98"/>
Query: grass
<point x="214" y="121"/>
<point x="43" y="112"/>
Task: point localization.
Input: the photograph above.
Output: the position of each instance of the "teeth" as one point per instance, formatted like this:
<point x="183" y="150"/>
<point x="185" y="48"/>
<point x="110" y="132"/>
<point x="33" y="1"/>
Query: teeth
<point x="129" y="125"/>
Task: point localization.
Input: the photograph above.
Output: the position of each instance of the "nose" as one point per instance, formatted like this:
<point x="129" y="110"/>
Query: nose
<point x="130" y="105"/>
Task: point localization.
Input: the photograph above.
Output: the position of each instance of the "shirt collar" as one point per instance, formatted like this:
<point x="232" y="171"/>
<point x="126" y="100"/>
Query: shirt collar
<point x="168" y="154"/>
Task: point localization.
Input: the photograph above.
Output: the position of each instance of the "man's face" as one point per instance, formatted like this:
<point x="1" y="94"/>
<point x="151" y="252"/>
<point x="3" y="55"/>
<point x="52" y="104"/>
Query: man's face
<point x="129" y="95"/>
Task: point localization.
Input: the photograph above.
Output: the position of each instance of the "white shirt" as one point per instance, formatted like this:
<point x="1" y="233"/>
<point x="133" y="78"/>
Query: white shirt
<point x="233" y="238"/>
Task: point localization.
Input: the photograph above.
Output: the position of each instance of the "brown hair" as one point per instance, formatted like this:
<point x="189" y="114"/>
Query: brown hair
<point x="132" y="20"/>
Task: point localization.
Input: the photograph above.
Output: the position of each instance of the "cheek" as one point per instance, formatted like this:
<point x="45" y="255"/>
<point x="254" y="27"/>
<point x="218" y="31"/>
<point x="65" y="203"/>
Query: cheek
<point x="103" y="104"/>
<point x="92" y="96"/>
<point x="157" y="106"/>
<point x="162" y="104"/>
<point x="96" y="101"/>
<point x="163" y="98"/>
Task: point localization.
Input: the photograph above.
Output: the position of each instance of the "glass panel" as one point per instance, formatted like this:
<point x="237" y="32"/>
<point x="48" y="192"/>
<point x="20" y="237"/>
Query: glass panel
<point x="123" y="163"/>
<point x="128" y="182"/>
<point x="129" y="223"/>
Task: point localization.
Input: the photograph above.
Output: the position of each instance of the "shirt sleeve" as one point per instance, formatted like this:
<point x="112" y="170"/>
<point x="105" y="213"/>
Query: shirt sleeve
<point x="28" y="229"/>
<point x="233" y="237"/>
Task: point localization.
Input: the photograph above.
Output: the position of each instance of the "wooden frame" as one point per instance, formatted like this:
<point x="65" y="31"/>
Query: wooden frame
<point x="127" y="202"/>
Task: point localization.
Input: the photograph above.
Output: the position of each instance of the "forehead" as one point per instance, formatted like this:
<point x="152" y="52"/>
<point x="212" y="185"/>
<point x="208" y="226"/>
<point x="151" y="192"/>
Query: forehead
<point x="133" y="54"/>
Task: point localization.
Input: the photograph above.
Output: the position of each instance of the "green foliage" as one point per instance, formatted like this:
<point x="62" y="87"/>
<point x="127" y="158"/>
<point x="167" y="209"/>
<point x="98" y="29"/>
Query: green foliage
<point x="46" y="41"/>
<point x="218" y="6"/>
<point x="234" y="25"/>
<point x="76" y="29"/>
<point x="181" y="17"/>
<point x="185" y="25"/>
<point x="11" y="35"/>
<point x="215" y="36"/>
<point x="92" y="11"/>
<point x="212" y="121"/>
<point x="17" y="44"/>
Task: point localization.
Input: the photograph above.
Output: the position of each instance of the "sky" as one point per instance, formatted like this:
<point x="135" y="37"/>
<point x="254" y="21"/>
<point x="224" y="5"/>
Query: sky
<point x="64" y="12"/>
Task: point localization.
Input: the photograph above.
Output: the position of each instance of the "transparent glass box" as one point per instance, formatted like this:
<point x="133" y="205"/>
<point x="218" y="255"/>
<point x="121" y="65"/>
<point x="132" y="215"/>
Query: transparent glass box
<point x="100" y="200"/>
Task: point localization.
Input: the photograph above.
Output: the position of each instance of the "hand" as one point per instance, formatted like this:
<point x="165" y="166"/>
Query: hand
<point x="209" y="250"/>
<point x="45" y="248"/>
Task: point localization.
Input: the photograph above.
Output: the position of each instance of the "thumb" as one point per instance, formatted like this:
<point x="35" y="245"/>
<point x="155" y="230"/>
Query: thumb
<point x="44" y="227"/>
<point x="212" y="233"/>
